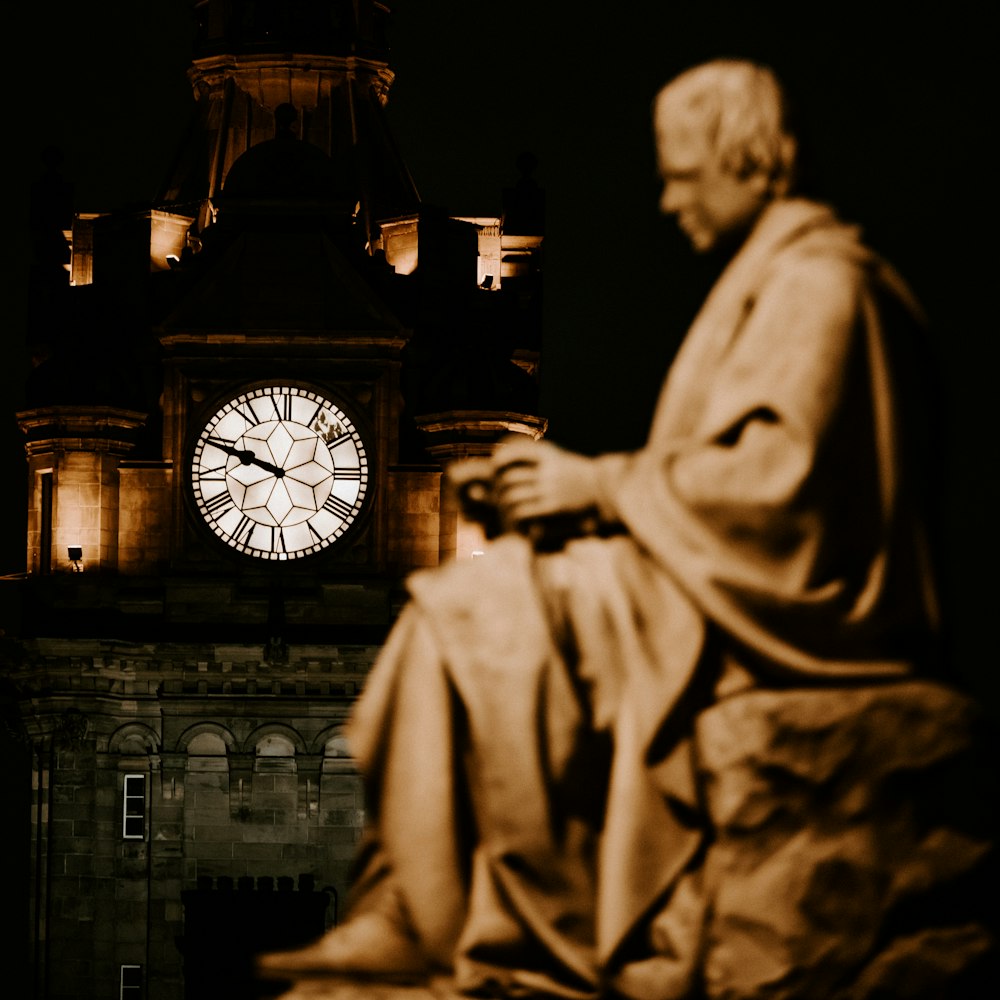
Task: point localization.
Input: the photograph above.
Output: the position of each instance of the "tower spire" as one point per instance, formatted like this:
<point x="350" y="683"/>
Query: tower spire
<point x="327" y="59"/>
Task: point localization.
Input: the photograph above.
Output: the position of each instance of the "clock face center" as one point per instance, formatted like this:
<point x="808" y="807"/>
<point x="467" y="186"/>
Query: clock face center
<point x="247" y="457"/>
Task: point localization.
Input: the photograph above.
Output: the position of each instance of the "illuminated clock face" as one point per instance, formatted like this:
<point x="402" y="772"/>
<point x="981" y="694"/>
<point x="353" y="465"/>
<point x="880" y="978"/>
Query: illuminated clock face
<point x="279" y="472"/>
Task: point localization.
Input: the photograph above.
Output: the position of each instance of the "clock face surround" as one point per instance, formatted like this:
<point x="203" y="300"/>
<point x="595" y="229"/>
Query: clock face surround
<point x="279" y="472"/>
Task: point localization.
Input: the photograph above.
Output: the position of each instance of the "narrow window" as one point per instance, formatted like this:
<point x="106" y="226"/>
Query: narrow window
<point x="131" y="982"/>
<point x="45" y="524"/>
<point x="134" y="807"/>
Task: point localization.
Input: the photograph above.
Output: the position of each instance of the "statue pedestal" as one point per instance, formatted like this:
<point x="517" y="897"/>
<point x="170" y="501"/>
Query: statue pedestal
<point x="851" y="851"/>
<point x="338" y="988"/>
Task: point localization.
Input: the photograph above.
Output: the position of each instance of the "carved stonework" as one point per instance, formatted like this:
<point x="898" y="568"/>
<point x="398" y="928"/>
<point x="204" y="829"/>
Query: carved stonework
<point x="71" y="728"/>
<point x="275" y="650"/>
<point x="852" y="843"/>
<point x="80" y="428"/>
<point x="463" y="433"/>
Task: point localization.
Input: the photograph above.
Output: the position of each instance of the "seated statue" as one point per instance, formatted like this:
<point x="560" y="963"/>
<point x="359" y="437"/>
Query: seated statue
<point x="536" y="732"/>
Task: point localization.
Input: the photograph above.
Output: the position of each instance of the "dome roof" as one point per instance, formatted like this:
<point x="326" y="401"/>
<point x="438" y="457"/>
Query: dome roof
<point x="287" y="169"/>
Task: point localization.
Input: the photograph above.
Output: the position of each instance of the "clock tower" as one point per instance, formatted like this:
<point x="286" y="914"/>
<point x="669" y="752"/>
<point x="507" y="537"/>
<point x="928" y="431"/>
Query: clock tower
<point x="242" y="399"/>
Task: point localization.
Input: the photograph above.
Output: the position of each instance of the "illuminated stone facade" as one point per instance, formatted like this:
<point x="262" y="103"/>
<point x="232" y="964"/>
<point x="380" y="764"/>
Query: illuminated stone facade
<point x="184" y="702"/>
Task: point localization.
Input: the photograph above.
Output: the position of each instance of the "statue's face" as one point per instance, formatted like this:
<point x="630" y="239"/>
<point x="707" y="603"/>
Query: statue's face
<point x="710" y="203"/>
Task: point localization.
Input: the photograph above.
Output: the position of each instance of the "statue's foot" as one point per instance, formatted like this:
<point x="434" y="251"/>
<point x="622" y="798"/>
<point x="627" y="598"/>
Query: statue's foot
<point x="369" y="945"/>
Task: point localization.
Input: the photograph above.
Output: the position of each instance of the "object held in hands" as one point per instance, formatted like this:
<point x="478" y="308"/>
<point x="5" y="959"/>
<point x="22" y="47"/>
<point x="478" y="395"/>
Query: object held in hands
<point x="475" y="483"/>
<point x="473" y="480"/>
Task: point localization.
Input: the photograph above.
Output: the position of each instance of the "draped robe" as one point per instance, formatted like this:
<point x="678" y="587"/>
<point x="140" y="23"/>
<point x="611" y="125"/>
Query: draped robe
<point x="525" y="733"/>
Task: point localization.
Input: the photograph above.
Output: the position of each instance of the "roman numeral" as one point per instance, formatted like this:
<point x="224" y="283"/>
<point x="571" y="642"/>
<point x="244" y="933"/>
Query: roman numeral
<point x="285" y="411"/>
<point x="332" y="442"/>
<point x="208" y="475"/>
<point x="252" y="419"/>
<point x="345" y="474"/>
<point x="219" y="504"/>
<point x="244" y="530"/>
<point x="338" y="507"/>
<point x="278" y="540"/>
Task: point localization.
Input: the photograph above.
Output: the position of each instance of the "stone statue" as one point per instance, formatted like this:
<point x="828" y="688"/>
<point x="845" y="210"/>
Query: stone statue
<point x="675" y="752"/>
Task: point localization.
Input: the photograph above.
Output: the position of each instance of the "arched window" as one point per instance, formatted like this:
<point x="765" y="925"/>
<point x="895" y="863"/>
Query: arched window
<point x="207" y="753"/>
<point x="275" y="753"/>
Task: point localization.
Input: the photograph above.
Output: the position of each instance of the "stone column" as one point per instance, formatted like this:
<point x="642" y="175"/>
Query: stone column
<point x="73" y="498"/>
<point x="458" y="434"/>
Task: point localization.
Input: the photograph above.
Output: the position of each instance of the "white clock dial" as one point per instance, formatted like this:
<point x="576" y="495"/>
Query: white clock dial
<point x="279" y="472"/>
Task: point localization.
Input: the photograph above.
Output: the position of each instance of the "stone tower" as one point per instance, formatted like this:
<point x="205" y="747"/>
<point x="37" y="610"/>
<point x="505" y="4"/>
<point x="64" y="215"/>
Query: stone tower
<point x="241" y="400"/>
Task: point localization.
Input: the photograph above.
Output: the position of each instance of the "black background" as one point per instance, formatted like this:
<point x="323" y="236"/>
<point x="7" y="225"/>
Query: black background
<point x="894" y="102"/>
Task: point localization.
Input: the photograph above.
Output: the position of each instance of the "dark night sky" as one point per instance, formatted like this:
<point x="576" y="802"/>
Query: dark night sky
<point x="893" y="101"/>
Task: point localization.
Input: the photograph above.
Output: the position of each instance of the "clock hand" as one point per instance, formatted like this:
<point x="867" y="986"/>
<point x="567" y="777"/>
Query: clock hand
<point x="247" y="457"/>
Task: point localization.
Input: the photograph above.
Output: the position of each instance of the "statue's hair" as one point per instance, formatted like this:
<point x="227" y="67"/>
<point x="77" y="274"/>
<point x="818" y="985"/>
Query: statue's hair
<point x="743" y="110"/>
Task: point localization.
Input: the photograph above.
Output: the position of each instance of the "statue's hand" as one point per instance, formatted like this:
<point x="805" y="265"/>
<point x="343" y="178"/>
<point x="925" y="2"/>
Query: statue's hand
<point x="537" y="479"/>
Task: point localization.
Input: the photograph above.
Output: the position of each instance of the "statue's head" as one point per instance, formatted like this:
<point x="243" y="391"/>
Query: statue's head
<point x="723" y="147"/>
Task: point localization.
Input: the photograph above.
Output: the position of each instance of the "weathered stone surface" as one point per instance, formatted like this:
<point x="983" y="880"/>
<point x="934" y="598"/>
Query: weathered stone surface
<point x="854" y="841"/>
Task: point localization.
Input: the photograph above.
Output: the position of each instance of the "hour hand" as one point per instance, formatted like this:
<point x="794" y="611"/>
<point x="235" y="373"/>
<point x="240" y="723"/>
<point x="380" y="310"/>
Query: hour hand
<point x="247" y="457"/>
<point x="228" y="448"/>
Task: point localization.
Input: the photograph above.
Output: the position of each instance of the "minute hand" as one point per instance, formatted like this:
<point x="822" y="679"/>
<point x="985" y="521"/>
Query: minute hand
<point x="247" y="457"/>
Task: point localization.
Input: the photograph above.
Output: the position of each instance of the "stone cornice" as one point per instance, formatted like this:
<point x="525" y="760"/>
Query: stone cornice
<point x="101" y="669"/>
<point x="80" y="428"/>
<point x="461" y="433"/>
<point x="273" y="79"/>
<point x="353" y="344"/>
